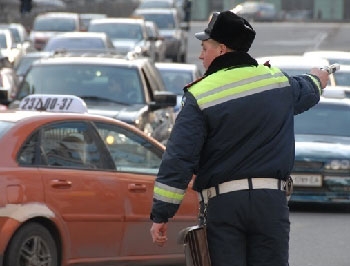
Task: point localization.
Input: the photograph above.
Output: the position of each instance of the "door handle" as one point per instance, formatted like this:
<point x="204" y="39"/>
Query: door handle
<point x="56" y="183"/>
<point x="137" y="188"/>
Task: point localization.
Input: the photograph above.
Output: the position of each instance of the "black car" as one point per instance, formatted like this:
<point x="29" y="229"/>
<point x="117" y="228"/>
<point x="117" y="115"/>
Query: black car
<point x="321" y="171"/>
<point x="142" y="101"/>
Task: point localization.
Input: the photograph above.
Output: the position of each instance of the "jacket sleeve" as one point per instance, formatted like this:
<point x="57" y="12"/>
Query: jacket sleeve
<point x="307" y="90"/>
<point x="180" y="160"/>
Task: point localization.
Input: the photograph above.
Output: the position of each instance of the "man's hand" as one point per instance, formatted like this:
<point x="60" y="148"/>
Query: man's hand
<point x="158" y="233"/>
<point x="322" y="75"/>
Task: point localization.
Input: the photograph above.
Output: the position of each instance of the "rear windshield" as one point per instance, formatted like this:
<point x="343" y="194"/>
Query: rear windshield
<point x="4" y="127"/>
<point x="55" y="24"/>
<point x="131" y="31"/>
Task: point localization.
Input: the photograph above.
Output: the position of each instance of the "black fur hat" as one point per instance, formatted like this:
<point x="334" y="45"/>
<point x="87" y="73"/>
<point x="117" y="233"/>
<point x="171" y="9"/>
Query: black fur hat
<point x="230" y="29"/>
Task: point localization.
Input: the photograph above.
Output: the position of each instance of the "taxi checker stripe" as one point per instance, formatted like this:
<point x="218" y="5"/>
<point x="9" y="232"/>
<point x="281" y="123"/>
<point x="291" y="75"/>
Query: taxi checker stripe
<point x="242" y="88"/>
<point x="318" y="84"/>
<point x="168" y="194"/>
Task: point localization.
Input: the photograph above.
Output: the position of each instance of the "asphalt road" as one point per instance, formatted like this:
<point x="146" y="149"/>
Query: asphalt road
<point x="319" y="236"/>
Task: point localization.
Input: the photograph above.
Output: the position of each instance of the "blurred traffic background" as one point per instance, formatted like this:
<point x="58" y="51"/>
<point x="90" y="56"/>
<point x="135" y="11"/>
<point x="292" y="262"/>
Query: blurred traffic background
<point x="130" y="62"/>
<point x="26" y="10"/>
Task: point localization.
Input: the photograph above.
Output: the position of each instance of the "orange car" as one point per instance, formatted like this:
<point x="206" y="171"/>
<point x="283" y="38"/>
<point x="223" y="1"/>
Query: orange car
<point x="77" y="189"/>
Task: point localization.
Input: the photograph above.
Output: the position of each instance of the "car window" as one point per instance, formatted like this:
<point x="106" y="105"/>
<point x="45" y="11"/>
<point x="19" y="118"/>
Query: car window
<point x="64" y="145"/>
<point x="15" y="35"/>
<point x="130" y="152"/>
<point x="324" y="119"/>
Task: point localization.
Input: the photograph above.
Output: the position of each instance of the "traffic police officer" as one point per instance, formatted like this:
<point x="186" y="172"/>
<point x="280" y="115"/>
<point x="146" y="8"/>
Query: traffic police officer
<point x="235" y="133"/>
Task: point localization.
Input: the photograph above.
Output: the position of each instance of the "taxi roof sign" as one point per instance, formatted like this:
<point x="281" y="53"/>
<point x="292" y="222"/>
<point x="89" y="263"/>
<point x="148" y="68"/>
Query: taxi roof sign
<point x="53" y="103"/>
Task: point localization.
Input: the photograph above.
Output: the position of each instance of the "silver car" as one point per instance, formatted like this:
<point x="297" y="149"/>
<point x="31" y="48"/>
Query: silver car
<point x="170" y="27"/>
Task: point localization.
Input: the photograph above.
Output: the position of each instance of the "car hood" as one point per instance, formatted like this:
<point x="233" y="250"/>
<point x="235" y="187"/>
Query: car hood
<point x="128" y="114"/>
<point x="322" y="146"/>
<point x="168" y="32"/>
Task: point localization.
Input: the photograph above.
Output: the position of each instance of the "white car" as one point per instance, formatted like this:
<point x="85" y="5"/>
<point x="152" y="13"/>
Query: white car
<point x="342" y="76"/>
<point x="20" y="36"/>
<point x="333" y="56"/>
<point x="339" y="92"/>
<point x="256" y="11"/>
<point x="296" y="64"/>
<point x="8" y="48"/>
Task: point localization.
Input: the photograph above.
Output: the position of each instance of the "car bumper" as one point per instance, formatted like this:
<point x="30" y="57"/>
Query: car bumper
<point x="320" y="197"/>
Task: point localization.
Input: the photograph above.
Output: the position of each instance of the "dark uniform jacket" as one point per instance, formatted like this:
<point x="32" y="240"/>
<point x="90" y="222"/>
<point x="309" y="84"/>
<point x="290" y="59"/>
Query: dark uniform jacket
<point x="236" y="122"/>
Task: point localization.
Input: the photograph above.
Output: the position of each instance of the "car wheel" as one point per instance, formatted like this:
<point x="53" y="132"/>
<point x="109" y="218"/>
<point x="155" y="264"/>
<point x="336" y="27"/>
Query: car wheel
<point x="31" y="245"/>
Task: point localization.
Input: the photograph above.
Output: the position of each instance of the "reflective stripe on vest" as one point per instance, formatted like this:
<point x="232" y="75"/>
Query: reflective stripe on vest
<point x="318" y="84"/>
<point x="168" y="194"/>
<point x="243" y="81"/>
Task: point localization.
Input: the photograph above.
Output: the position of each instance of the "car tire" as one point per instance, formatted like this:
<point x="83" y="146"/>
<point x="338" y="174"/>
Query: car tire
<point x="32" y="244"/>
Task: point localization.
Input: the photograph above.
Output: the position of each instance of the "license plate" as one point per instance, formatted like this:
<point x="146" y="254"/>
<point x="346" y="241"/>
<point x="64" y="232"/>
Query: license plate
<point x="307" y="180"/>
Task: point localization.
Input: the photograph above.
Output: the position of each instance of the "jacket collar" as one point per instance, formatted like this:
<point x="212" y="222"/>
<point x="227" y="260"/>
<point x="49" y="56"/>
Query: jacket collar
<point x="230" y="60"/>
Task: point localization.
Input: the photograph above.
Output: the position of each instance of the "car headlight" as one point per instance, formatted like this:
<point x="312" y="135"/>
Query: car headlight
<point x="338" y="165"/>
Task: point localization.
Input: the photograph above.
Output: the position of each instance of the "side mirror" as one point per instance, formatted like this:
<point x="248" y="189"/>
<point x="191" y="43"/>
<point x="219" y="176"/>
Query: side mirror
<point x="163" y="99"/>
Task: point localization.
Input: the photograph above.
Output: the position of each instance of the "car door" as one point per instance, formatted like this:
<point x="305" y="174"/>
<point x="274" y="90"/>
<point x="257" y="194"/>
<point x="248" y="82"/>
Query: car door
<point x="82" y="190"/>
<point x="137" y="162"/>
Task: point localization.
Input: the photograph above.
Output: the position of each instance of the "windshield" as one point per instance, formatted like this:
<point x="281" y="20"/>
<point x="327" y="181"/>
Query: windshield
<point x="90" y="81"/>
<point x="119" y="31"/>
<point x="324" y="119"/>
